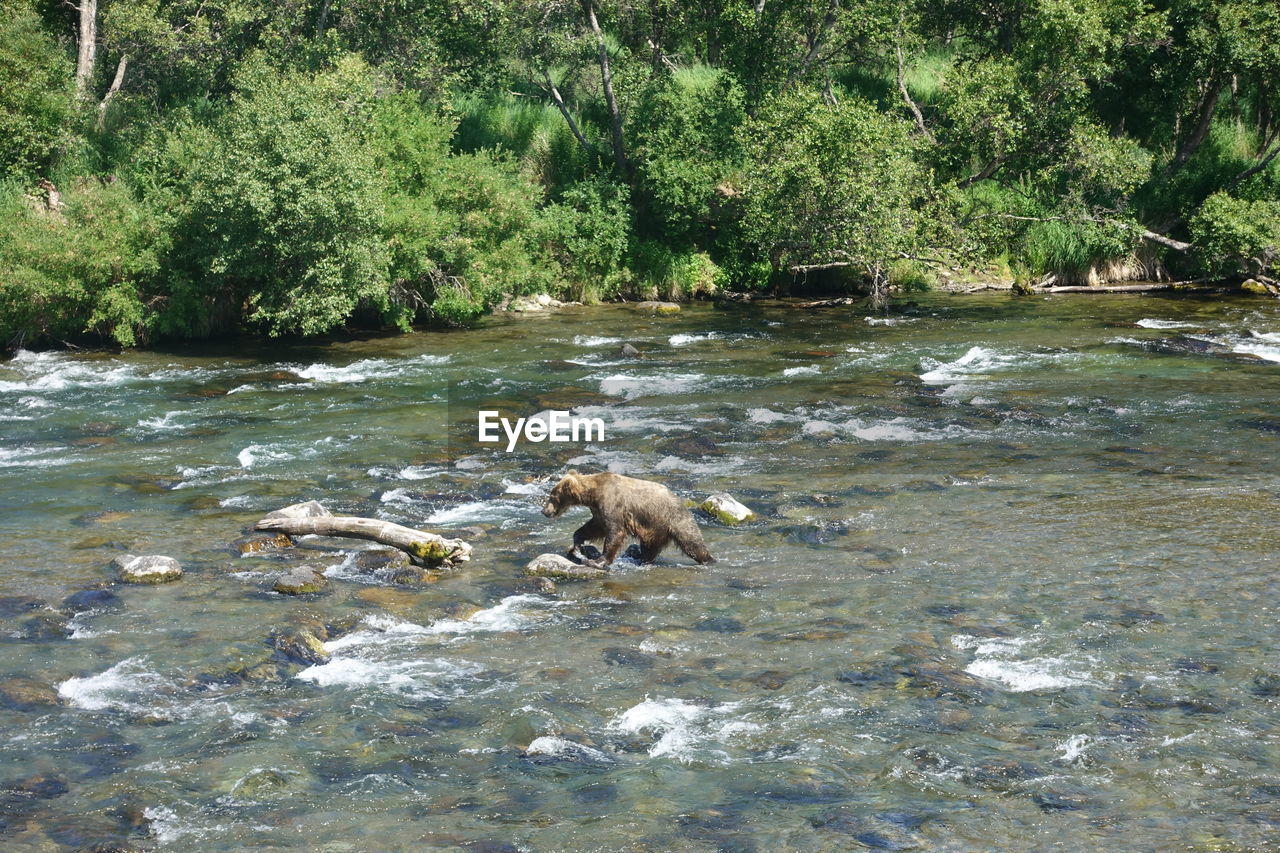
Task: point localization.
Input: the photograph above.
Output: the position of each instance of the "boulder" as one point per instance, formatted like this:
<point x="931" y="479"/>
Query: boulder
<point x="91" y="600"/>
<point x="561" y="568"/>
<point x="26" y="694"/>
<point x="150" y="569"/>
<point x="306" y="509"/>
<point x="256" y="543"/>
<point x="725" y="509"/>
<point x="301" y="645"/>
<point x="537" y="302"/>
<point x="303" y="580"/>
<point x="662" y="309"/>
<point x="628" y="351"/>
<point x="373" y="559"/>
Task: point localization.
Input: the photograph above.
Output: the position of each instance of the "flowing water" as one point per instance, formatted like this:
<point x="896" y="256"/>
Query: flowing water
<point x="1013" y="586"/>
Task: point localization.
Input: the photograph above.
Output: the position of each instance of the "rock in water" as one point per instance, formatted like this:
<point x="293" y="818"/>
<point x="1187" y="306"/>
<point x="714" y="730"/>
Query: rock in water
<point x="726" y="510"/>
<point x="303" y="580"/>
<point x="150" y="569"/>
<point x="301" y="645"/>
<point x="373" y="559"/>
<point x="306" y="509"/>
<point x="256" y="543"/>
<point x="628" y="351"/>
<point x="662" y="309"/>
<point x="561" y="568"/>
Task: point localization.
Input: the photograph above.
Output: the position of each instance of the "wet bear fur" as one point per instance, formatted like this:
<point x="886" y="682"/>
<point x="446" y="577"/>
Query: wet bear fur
<point x="624" y="506"/>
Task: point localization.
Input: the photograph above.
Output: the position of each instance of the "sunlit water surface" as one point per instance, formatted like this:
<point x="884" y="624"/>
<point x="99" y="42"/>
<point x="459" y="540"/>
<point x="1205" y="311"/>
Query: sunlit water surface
<point x="1013" y="586"/>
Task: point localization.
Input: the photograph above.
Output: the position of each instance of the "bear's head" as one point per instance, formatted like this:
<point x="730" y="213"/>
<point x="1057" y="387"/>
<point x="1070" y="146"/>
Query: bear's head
<point x="567" y="493"/>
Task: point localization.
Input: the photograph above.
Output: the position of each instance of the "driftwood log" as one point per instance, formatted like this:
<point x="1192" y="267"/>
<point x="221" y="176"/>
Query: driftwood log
<point x="424" y="548"/>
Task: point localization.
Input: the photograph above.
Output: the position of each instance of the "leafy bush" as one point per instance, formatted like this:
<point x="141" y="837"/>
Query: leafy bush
<point x="1233" y="236"/>
<point x="670" y="274"/>
<point x="35" y="93"/>
<point x="686" y="148"/>
<point x="283" y="212"/>
<point x="461" y="229"/>
<point x="587" y="232"/>
<point x="832" y="184"/>
<point x="89" y="270"/>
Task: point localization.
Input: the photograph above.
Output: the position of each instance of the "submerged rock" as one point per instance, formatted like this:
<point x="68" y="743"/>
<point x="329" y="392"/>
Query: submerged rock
<point x="27" y="694"/>
<point x="561" y="568"/>
<point x="662" y="309"/>
<point x="256" y="543"/>
<point x="373" y="559"/>
<point x="725" y="509"/>
<point x="306" y="509"/>
<point x="150" y="569"/>
<point x="303" y="580"/>
<point x="629" y="351"/>
<point x="301" y="645"/>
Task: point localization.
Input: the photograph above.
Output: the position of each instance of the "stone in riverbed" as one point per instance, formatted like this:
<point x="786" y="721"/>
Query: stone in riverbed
<point x="303" y="580"/>
<point x="149" y="569"/>
<point x="27" y="694"/>
<point x="301" y="645"/>
<point x="725" y="509"/>
<point x="662" y="309"/>
<point x="306" y="509"/>
<point x="256" y="543"/>
<point x="560" y="568"/>
<point x="372" y="559"/>
<point x="91" y="599"/>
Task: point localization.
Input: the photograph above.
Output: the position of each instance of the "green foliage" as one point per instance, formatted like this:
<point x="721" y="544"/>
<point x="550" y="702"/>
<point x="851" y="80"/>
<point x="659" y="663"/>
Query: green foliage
<point x="298" y="167"/>
<point x="461" y="229"/>
<point x="35" y="93"/>
<point x="686" y="148"/>
<point x="87" y="270"/>
<point x="534" y="133"/>
<point x="587" y="232"/>
<point x="1237" y="237"/>
<point x="662" y="272"/>
<point x="832" y="184"/>
<point x="284" y="211"/>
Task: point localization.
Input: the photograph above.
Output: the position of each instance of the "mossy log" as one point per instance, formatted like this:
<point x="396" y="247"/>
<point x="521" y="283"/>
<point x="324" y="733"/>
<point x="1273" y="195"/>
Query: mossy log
<point x="424" y="548"/>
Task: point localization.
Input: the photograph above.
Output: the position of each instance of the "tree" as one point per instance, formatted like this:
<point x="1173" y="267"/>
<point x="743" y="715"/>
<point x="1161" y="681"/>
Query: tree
<point x="283" y="212"/>
<point x="35" y="93"/>
<point x="832" y="186"/>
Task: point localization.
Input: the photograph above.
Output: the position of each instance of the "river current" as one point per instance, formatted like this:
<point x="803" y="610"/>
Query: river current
<point x="1013" y="585"/>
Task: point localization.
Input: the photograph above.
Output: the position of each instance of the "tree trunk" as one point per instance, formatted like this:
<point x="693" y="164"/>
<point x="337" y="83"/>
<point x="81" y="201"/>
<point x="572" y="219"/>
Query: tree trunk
<point x="421" y="546"/>
<point x="606" y="77"/>
<point x="111" y="92"/>
<point x="87" y="47"/>
<point x="568" y="116"/>
<point x="1207" y="104"/>
<point x="906" y="96"/>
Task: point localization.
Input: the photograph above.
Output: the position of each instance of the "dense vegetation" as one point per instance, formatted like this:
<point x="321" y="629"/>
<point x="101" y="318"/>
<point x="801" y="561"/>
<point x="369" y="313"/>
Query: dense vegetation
<point x="182" y="168"/>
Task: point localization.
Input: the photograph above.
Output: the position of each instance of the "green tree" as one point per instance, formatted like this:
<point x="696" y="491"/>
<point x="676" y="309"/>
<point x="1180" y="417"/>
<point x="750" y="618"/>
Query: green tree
<point x="832" y="186"/>
<point x="35" y="93"/>
<point x="283" y="213"/>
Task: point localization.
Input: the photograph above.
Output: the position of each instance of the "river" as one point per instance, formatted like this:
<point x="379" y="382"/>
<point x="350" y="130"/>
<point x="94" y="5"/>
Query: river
<point x="1013" y="585"/>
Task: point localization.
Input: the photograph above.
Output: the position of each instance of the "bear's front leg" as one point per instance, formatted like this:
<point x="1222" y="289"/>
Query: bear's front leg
<point x="589" y="532"/>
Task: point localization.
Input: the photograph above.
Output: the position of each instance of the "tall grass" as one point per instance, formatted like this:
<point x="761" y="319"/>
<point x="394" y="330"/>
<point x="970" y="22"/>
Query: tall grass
<point x="530" y="130"/>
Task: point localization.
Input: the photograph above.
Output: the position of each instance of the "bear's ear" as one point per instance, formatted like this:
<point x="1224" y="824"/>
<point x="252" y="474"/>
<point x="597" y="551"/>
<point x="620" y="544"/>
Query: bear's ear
<point x="572" y="473"/>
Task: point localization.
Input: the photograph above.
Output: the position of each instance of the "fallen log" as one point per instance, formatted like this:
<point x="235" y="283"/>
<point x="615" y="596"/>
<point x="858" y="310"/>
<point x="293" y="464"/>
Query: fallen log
<point x="424" y="548"/>
<point x="1105" y="288"/>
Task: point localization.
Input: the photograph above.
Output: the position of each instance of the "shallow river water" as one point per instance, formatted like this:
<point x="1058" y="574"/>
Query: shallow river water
<point x="1013" y="585"/>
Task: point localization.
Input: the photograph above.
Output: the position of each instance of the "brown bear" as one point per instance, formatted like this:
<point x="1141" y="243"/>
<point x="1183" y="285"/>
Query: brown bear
<point x="622" y="506"/>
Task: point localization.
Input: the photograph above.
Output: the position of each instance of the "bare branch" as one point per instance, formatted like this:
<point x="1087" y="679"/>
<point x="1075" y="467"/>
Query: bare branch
<point x="906" y="96"/>
<point x="111" y="92"/>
